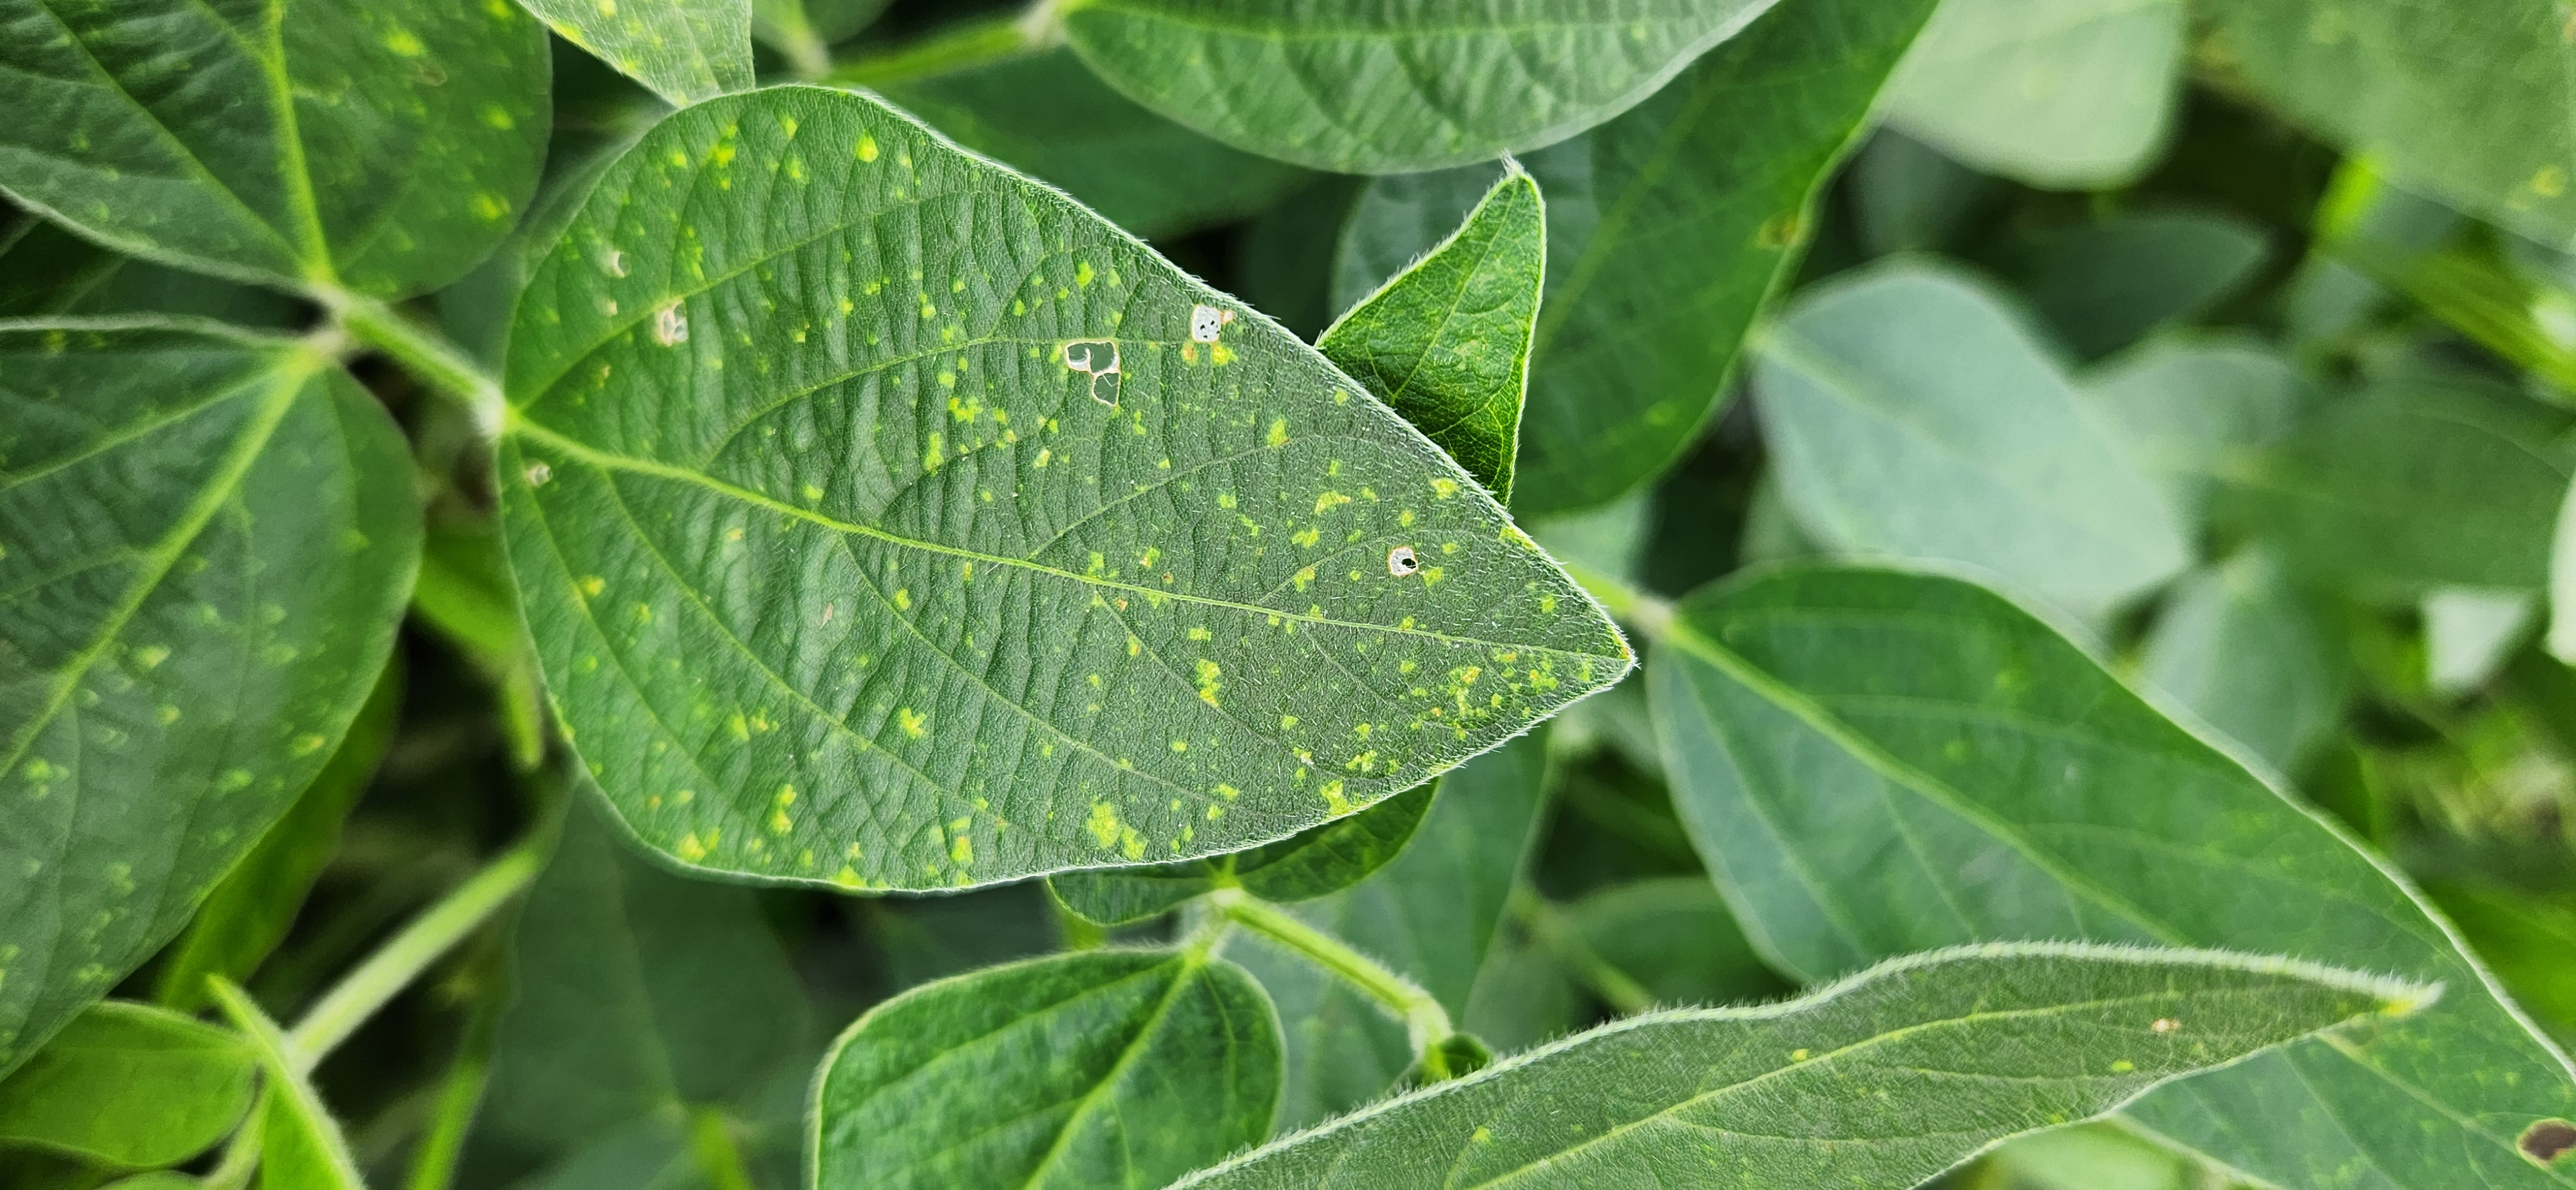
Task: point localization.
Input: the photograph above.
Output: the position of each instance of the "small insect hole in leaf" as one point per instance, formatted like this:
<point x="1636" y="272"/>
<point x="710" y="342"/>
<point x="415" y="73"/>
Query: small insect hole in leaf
<point x="1402" y="562"/>
<point x="1207" y="322"/>
<point x="538" y="474"/>
<point x="671" y="325"/>
<point x="1095" y="358"/>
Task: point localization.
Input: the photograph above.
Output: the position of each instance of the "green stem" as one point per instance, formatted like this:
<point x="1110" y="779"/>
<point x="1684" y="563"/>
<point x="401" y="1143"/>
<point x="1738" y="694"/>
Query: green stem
<point x="1547" y="923"/>
<point x="433" y="1162"/>
<point x="1646" y="613"/>
<point x="973" y="43"/>
<point x="718" y="1156"/>
<point x="393" y="966"/>
<point x="424" y="353"/>
<point x="1422" y="1014"/>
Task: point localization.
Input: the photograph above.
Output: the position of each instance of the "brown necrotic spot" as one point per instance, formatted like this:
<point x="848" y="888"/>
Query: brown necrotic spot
<point x="2544" y="1141"/>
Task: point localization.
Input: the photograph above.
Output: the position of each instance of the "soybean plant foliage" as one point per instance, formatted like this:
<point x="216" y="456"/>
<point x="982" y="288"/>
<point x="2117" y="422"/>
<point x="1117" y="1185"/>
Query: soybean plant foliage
<point x="818" y="594"/>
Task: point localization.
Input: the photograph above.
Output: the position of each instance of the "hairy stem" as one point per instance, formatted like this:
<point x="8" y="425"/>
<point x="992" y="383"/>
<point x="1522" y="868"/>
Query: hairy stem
<point x="394" y="965"/>
<point x="1422" y="1014"/>
<point x="424" y="353"/>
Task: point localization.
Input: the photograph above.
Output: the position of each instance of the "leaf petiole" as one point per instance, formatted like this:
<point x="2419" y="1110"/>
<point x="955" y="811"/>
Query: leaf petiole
<point x="392" y="968"/>
<point x="424" y="353"/>
<point x="1422" y="1014"/>
<point x="969" y="44"/>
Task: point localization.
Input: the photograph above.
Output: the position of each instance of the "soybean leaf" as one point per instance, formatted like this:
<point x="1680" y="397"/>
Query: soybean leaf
<point x="1910" y="412"/>
<point x="382" y="147"/>
<point x="2095" y="1157"/>
<point x="685" y="50"/>
<point x="129" y="1085"/>
<point x="638" y="993"/>
<point x="1884" y="1079"/>
<point x="1908" y="196"/>
<point x="248" y="914"/>
<point x="1048" y="114"/>
<point x="2197" y="408"/>
<point x="47" y="270"/>
<point x="805" y="30"/>
<point x="2523" y="937"/>
<point x="1874" y="761"/>
<point x="2415" y="483"/>
<point x="1675" y="939"/>
<point x="2103" y="285"/>
<point x="2387" y="78"/>
<point x="2469" y="633"/>
<point x="1446" y="343"/>
<point x="159" y="1179"/>
<point x="1043" y="557"/>
<point x="1122" y="1068"/>
<point x="210" y="536"/>
<point x="301" y="1147"/>
<point x="1354" y="86"/>
<point x="2252" y="656"/>
<point x="1309" y="864"/>
<point x="1667" y="230"/>
<point x="2065" y="94"/>
<point x="1431" y="916"/>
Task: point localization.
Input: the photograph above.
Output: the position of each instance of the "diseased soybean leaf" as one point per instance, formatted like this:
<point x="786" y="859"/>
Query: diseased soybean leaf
<point x="1431" y="916"/>
<point x="2103" y="285"/>
<point x="301" y="1147"/>
<point x="1446" y="343"/>
<point x="1104" y="1068"/>
<point x="379" y="145"/>
<point x="209" y="539"/>
<point x="1048" y="114"/>
<point x="1667" y="230"/>
<point x="637" y="993"/>
<point x="1676" y="940"/>
<point x="129" y="1085"/>
<point x="1358" y="86"/>
<point x="2415" y="483"/>
<point x="47" y="270"/>
<point x="1309" y="864"/>
<point x="2253" y="656"/>
<point x="1884" y="1079"/>
<point x="1910" y="412"/>
<point x="2467" y="104"/>
<point x="884" y="519"/>
<point x="684" y="50"/>
<point x="2196" y="408"/>
<point x="247" y="915"/>
<point x="1874" y="761"/>
<point x="2064" y="94"/>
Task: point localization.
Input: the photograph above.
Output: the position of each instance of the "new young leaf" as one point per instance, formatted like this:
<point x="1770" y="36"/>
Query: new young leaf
<point x="1446" y="343"/>
<point x="1356" y="86"/>
<point x="685" y="50"/>
<point x="882" y="518"/>
<point x="1107" y="1068"/>
<point x="1884" y="1079"/>
<point x="381" y="146"/>
<point x="210" y="536"/>
<point x="129" y="1085"/>
<point x="1875" y="761"/>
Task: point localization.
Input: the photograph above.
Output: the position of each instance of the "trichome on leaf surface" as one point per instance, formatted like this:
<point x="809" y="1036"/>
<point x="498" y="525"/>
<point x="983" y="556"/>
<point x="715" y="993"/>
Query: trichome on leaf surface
<point x="1157" y="593"/>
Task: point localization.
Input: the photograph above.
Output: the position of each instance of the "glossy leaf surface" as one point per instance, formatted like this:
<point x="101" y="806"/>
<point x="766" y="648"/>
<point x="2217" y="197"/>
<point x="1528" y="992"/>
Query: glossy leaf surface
<point x="129" y="1085"/>
<point x="210" y="537"/>
<point x="685" y="50"/>
<point x="907" y="526"/>
<point x="1874" y="762"/>
<point x="1884" y="1079"/>
<point x="1911" y="412"/>
<point x="1309" y="864"/>
<point x="380" y="146"/>
<point x="1446" y="343"/>
<point x="1667" y="230"/>
<point x="1108" y="1068"/>
<point x="2066" y="94"/>
<point x="47" y="270"/>
<point x="1356" y="86"/>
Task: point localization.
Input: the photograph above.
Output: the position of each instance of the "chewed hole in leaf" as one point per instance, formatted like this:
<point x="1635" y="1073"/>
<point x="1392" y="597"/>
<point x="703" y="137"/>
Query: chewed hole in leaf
<point x="1402" y="562"/>
<point x="671" y="325"/>
<point x="1095" y="358"/>
<point x="1208" y="322"/>
<point x="2547" y="1140"/>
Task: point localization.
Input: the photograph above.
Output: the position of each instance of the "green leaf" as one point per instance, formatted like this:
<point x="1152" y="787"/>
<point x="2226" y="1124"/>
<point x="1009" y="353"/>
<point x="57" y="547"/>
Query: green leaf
<point x="301" y="1147"/>
<point x="1353" y="86"/>
<point x="2416" y="483"/>
<point x="827" y="22"/>
<point x="1667" y="230"/>
<point x="2253" y="656"/>
<point x="1910" y="412"/>
<point x="129" y="1085"/>
<point x="1676" y="940"/>
<point x="1884" y="1079"/>
<point x="1044" y="579"/>
<point x="1908" y="197"/>
<point x="1048" y="114"/>
<point x="2471" y="111"/>
<point x="1446" y="342"/>
<point x="2063" y="94"/>
<point x="1430" y="916"/>
<point x="1874" y="762"/>
<point x="2095" y="1157"/>
<point x="2103" y="285"/>
<point x="210" y="536"/>
<point x="2469" y="633"/>
<point x="1122" y="1068"/>
<point x="2196" y="408"/>
<point x="1309" y="864"/>
<point x="47" y="270"/>
<point x="382" y="147"/>
<point x="2524" y="937"/>
<point x="685" y="50"/>
<point x="247" y="915"/>
<point x="638" y="993"/>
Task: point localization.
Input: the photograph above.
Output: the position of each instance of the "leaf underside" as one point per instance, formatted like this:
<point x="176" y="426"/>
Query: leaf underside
<point x="1309" y="864"/>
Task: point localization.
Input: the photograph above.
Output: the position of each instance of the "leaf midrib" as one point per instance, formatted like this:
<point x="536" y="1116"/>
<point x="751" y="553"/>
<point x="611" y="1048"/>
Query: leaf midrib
<point x="1192" y="962"/>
